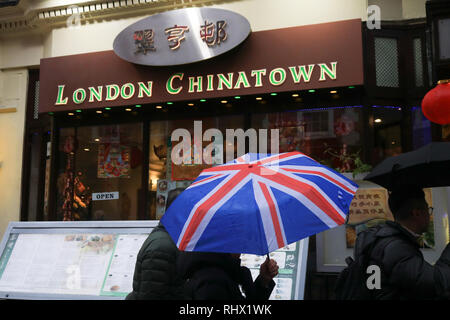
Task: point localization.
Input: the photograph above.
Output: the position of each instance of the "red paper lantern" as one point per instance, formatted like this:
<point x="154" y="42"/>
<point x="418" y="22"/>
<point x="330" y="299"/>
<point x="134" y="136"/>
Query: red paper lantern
<point x="436" y="103"/>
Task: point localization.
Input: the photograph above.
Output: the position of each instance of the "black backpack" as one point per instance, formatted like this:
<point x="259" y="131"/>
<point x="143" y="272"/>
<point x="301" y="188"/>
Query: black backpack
<point x="351" y="282"/>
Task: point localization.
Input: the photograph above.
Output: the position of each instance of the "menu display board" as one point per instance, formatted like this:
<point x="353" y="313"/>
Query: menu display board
<point x="96" y="260"/>
<point x="89" y="262"/>
<point x="291" y="260"/>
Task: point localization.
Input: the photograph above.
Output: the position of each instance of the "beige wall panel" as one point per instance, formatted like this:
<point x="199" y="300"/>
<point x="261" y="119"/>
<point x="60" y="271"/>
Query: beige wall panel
<point x="13" y="87"/>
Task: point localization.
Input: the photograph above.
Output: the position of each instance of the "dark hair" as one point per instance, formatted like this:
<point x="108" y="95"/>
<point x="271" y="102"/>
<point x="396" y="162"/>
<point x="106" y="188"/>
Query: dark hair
<point x="172" y="196"/>
<point x="403" y="200"/>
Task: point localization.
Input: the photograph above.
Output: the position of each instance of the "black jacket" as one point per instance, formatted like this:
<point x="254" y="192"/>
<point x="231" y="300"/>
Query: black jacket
<point x="219" y="276"/>
<point x="404" y="272"/>
<point x="155" y="275"/>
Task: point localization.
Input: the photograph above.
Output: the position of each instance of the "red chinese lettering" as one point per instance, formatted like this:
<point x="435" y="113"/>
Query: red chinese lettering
<point x="144" y="41"/>
<point x="176" y="35"/>
<point x="212" y="33"/>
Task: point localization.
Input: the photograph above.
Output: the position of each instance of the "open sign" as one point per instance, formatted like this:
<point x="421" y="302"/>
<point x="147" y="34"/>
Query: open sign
<point x="105" y="196"/>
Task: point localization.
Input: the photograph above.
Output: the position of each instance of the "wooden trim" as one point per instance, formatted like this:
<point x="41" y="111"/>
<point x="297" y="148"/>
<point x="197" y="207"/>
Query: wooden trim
<point x="54" y="160"/>
<point x="143" y="213"/>
<point x="26" y="148"/>
<point x="8" y="110"/>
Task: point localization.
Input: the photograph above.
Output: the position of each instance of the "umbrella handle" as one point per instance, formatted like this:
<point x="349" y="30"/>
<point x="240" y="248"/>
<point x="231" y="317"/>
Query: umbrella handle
<point x="268" y="258"/>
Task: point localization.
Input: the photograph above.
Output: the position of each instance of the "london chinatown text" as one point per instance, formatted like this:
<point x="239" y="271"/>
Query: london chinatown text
<point x="180" y="82"/>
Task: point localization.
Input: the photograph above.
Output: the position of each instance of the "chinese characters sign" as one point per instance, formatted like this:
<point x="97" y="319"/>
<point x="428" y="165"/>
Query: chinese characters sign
<point x="369" y="204"/>
<point x="368" y="208"/>
<point x="210" y="33"/>
<point x="181" y="36"/>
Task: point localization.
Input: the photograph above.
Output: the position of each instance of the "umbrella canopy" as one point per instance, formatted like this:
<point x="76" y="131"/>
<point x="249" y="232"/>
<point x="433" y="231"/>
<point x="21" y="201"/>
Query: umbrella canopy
<point x="426" y="167"/>
<point x="257" y="204"/>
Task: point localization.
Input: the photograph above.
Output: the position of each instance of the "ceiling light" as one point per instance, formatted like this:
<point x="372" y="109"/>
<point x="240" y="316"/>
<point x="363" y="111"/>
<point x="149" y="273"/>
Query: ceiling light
<point x="158" y="107"/>
<point x="128" y="109"/>
<point x="258" y="98"/>
<point x="86" y="149"/>
<point x="224" y="101"/>
<point x="70" y="113"/>
<point x="96" y="139"/>
<point x="99" y="111"/>
<point x="312" y="90"/>
<point x="107" y="108"/>
<point x="295" y="95"/>
<point x="333" y="91"/>
<point x="273" y="94"/>
<point x="378" y="120"/>
<point x="202" y="100"/>
<point x="190" y="104"/>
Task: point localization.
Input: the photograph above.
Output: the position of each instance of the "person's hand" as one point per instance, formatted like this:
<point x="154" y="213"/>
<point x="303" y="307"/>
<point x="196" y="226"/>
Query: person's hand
<point x="268" y="270"/>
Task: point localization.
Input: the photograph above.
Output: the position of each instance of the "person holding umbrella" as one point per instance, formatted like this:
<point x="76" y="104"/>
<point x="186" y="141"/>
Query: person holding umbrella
<point x="394" y="248"/>
<point x="220" y="276"/>
<point x="255" y="204"/>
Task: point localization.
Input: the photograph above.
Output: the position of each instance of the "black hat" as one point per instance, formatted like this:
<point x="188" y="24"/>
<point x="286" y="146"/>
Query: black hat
<point x="400" y="195"/>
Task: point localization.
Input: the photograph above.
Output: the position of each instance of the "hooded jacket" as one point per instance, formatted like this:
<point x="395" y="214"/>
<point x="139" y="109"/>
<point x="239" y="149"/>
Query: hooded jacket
<point x="405" y="275"/>
<point x="219" y="276"/>
<point x="155" y="276"/>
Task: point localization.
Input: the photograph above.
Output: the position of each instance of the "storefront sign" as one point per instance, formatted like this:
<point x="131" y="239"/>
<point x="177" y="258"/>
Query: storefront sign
<point x="179" y="82"/>
<point x="105" y="196"/>
<point x="181" y="36"/>
<point x="299" y="58"/>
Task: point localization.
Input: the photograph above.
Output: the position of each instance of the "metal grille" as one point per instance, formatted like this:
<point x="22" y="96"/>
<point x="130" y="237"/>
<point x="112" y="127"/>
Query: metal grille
<point x="418" y="64"/>
<point x="386" y="62"/>
<point x="36" y="102"/>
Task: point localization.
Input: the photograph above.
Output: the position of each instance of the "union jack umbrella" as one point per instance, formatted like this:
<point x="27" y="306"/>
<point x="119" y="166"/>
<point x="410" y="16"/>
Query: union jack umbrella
<point x="257" y="204"/>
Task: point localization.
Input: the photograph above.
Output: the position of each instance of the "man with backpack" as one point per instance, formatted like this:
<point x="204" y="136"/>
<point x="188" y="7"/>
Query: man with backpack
<point x="394" y="248"/>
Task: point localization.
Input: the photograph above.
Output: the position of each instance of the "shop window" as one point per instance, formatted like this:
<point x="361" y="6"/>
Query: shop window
<point x="388" y="132"/>
<point x="100" y="172"/>
<point x="318" y="124"/>
<point x="386" y="62"/>
<point x="331" y="136"/>
<point x="164" y="175"/>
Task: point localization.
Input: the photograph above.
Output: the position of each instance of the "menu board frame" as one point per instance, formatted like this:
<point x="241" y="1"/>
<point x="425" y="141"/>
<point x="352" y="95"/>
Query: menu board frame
<point x="68" y="227"/>
<point x="119" y="228"/>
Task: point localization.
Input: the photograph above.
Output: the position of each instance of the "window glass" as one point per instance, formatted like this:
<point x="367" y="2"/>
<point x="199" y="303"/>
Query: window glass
<point x="100" y="171"/>
<point x="388" y="133"/>
<point x="164" y="175"/>
<point x="386" y="62"/>
<point x="329" y="135"/>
